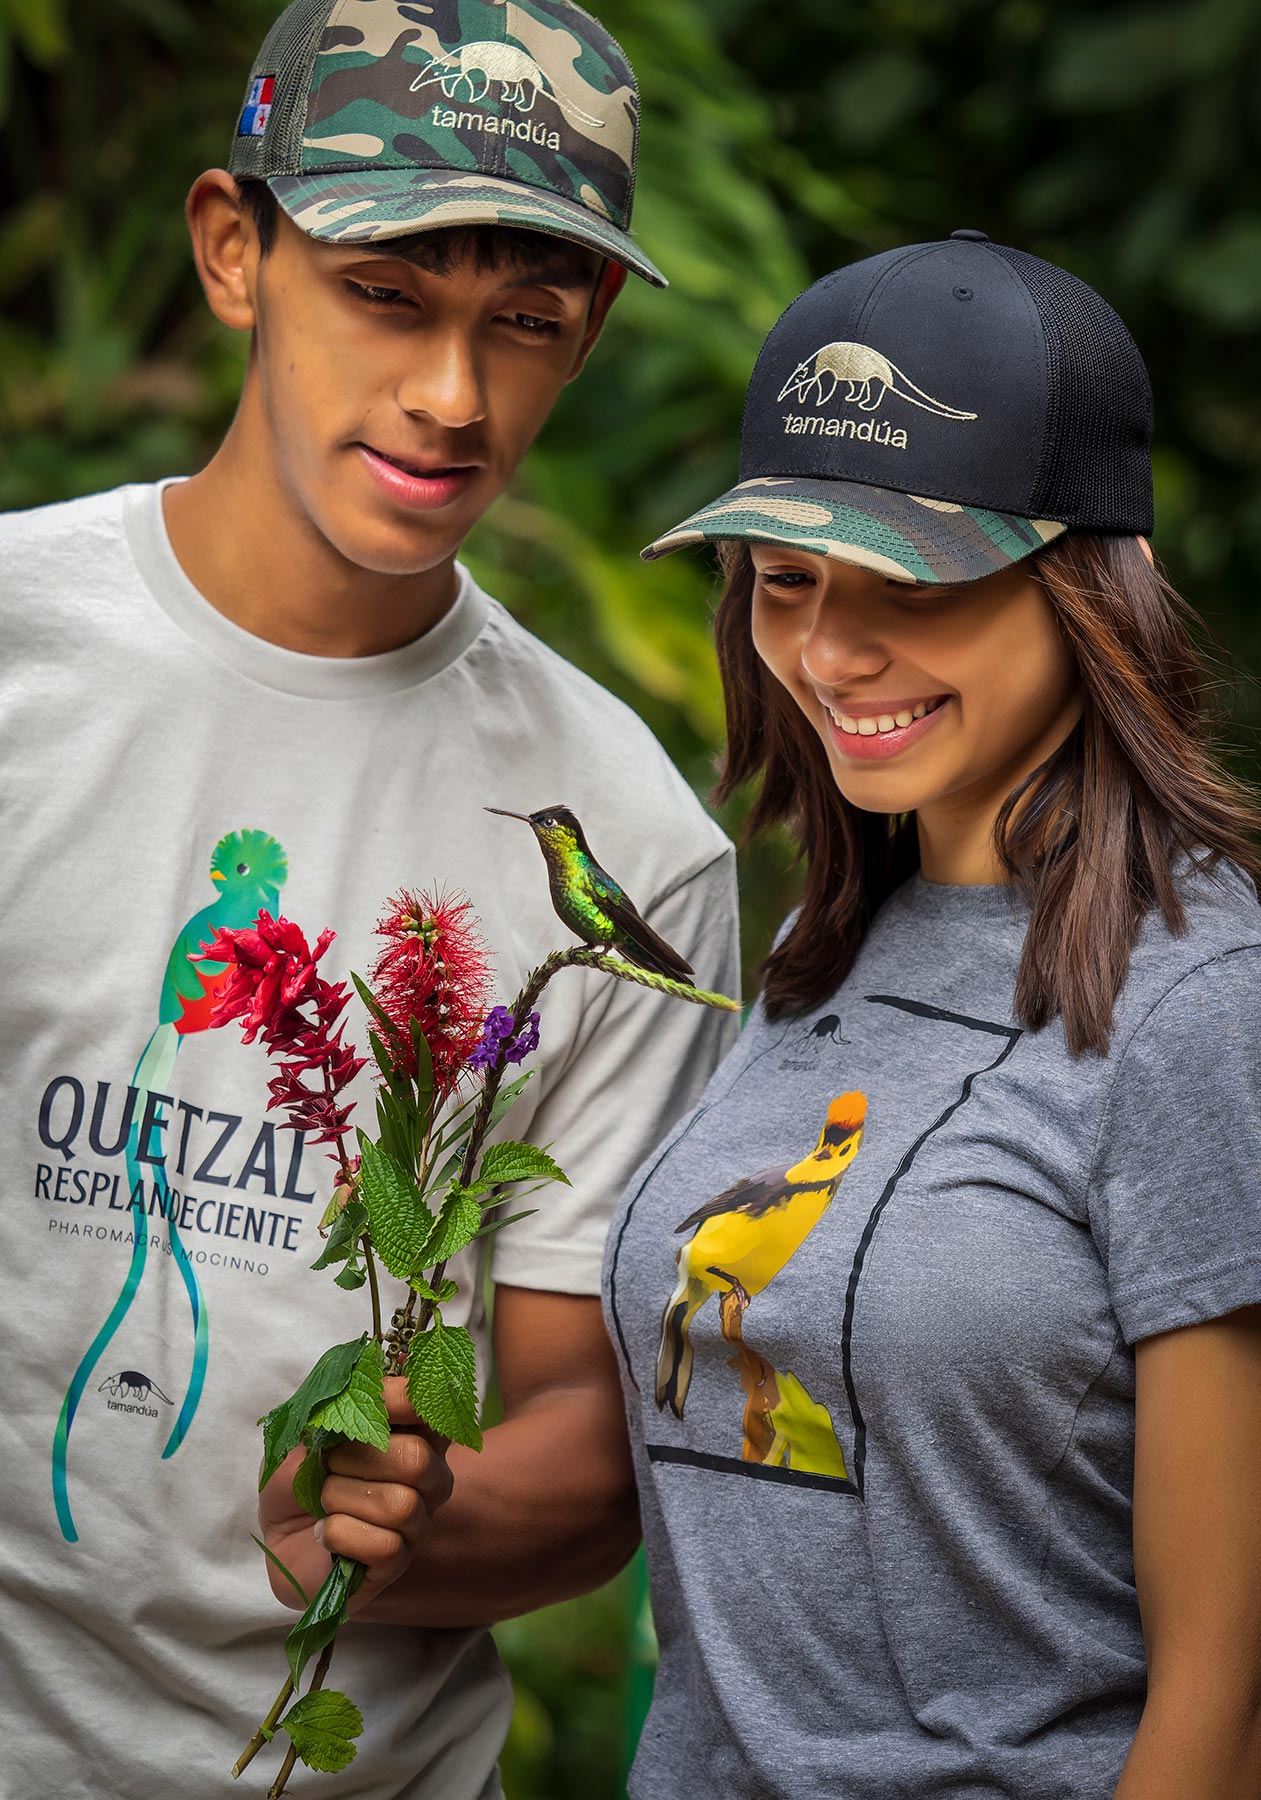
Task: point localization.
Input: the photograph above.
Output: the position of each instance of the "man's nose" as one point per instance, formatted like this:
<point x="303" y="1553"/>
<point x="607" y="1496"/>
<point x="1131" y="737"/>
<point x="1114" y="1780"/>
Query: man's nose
<point x="445" y="383"/>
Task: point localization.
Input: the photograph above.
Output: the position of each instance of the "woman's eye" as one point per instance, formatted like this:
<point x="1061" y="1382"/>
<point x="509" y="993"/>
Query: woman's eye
<point x="377" y="296"/>
<point x="785" y="581"/>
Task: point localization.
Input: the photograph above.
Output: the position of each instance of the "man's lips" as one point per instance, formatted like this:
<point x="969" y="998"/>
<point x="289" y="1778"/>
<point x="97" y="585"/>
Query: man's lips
<point x="412" y="484"/>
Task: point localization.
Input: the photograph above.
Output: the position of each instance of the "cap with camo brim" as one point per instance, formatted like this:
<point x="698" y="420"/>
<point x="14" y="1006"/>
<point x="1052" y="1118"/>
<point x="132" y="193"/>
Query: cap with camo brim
<point x="372" y="119"/>
<point x="936" y="414"/>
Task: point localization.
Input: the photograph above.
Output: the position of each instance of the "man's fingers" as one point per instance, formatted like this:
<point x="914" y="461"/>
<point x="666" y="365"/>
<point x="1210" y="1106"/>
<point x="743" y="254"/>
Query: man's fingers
<point x="384" y="1553"/>
<point x="387" y="1504"/>
<point x="411" y="1459"/>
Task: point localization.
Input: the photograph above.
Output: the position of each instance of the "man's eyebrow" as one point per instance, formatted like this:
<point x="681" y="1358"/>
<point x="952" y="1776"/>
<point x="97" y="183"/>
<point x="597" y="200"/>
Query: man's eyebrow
<point x="561" y="273"/>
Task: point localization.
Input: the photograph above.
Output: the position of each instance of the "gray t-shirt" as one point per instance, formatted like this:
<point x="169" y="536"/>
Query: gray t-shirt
<point x="876" y="1299"/>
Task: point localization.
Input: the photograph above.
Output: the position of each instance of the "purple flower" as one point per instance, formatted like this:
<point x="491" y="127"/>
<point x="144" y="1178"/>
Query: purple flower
<point x="497" y="1033"/>
<point x="498" y="1026"/>
<point x="526" y="1040"/>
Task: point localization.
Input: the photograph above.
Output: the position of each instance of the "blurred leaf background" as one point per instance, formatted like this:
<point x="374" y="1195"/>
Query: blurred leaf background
<point x="1123" y="142"/>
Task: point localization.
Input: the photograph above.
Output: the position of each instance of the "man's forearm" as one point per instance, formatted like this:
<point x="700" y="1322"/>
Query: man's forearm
<point x="544" y="1511"/>
<point x="1205" y="1742"/>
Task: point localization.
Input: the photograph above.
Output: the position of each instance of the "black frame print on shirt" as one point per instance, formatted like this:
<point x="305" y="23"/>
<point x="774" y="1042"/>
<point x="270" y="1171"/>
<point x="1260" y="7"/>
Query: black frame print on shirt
<point x="739" y="1241"/>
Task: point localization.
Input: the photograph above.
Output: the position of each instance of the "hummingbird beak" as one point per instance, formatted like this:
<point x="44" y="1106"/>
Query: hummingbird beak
<point x="506" y="815"/>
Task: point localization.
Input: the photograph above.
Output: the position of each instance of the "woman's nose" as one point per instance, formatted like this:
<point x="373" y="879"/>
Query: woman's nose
<point x="843" y="641"/>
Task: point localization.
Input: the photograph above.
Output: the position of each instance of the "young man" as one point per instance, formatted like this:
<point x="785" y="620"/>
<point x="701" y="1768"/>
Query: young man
<point x="273" y="685"/>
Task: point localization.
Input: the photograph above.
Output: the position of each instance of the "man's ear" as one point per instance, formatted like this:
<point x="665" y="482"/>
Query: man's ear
<point x="225" y="248"/>
<point x="610" y="284"/>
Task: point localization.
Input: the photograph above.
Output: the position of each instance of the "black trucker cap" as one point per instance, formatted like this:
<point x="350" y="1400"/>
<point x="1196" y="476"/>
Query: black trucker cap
<point x="936" y="413"/>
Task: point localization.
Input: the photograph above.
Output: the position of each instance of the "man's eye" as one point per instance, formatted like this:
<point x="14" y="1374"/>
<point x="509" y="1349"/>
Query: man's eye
<point x="532" y="325"/>
<point x="377" y="296"/>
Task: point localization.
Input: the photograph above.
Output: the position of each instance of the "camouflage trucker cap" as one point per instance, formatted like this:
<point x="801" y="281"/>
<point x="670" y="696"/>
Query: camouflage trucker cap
<point x="370" y="119"/>
<point x="936" y="413"/>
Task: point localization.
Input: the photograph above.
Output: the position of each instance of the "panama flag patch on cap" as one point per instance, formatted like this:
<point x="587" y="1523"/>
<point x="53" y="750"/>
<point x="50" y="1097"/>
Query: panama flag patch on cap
<point x="257" y="107"/>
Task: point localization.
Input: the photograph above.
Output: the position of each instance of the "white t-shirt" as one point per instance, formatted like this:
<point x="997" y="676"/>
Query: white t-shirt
<point x="139" y="730"/>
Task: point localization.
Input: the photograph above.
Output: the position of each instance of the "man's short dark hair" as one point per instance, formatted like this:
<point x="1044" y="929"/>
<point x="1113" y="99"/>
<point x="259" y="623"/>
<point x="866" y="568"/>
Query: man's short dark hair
<point x="438" y="251"/>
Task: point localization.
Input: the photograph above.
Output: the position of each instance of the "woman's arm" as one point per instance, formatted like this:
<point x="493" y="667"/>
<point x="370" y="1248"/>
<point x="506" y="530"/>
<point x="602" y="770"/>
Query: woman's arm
<point x="1197" y="1561"/>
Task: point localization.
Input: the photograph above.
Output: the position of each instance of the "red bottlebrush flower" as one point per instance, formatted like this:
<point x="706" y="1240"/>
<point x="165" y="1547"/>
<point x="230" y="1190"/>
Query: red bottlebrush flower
<point x="435" y="968"/>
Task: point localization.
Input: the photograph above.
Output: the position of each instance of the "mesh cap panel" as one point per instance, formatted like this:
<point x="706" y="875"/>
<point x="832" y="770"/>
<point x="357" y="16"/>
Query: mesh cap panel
<point x="1095" y="471"/>
<point x="288" y="54"/>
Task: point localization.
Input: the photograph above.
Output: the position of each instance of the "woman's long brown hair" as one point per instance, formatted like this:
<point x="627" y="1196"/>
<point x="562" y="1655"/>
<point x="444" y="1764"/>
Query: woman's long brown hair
<point x="1090" y="840"/>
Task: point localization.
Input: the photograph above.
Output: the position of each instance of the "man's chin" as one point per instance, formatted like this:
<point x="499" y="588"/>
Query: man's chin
<point x="401" y="549"/>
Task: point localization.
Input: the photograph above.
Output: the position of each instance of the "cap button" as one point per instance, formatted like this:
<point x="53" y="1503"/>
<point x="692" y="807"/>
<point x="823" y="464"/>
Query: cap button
<point x="972" y="237"/>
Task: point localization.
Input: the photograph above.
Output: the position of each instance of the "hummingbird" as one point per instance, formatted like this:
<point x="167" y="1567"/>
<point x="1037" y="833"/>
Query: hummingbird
<point x="589" y="901"/>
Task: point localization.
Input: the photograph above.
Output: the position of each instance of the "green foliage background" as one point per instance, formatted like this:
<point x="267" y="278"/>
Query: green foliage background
<point x="1119" y="140"/>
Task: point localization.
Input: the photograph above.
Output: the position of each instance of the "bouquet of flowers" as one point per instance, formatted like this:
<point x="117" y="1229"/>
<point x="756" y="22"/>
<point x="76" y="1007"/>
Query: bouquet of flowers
<point x="408" y="1198"/>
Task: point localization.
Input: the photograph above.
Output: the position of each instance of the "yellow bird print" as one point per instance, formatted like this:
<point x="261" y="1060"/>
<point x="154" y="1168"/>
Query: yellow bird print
<point x="741" y="1240"/>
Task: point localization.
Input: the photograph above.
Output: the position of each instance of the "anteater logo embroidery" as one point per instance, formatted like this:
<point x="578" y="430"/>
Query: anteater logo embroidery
<point x="476" y="67"/>
<point x="868" y="377"/>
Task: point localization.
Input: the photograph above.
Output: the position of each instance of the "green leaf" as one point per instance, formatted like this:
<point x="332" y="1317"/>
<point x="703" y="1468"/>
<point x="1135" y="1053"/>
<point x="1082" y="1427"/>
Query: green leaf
<point x="358" y="1412"/>
<point x="424" y="1075"/>
<point x="442" y="1382"/>
<point x="373" y="1005"/>
<point x="505" y="1097"/>
<point x="400" y="1219"/>
<point x="446" y="1290"/>
<point x="518" y="1162"/>
<point x="319" y="1623"/>
<point x="346" y="1231"/>
<point x="284" y="1425"/>
<point x="310" y="1476"/>
<point x="458" y="1224"/>
<point x="498" y="1224"/>
<point x="352" y="1276"/>
<point x="320" y="1727"/>
<point x="288" y="1574"/>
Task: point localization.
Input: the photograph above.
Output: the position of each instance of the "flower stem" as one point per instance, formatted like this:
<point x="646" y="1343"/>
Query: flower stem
<point x="287" y="1766"/>
<point x="264" y="1733"/>
<point x="369" y="1262"/>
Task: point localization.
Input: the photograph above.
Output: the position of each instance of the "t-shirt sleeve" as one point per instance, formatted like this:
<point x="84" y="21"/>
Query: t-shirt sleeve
<point x="637" y="1061"/>
<point x="1176" y="1196"/>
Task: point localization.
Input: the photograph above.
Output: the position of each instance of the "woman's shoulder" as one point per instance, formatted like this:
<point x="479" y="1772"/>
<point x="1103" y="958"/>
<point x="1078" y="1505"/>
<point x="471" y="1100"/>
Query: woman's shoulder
<point x="1205" y="976"/>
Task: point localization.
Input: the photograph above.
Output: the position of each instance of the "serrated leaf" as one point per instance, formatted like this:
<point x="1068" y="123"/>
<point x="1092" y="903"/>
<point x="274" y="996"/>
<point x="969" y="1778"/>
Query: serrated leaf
<point x="446" y="1290"/>
<point x="344" y="1235"/>
<point x="284" y="1425"/>
<point x="442" y="1382"/>
<point x="458" y="1224"/>
<point x="399" y="1217"/>
<point x="310" y="1476"/>
<point x="288" y="1574"/>
<point x="321" y="1726"/>
<point x="319" y="1623"/>
<point x="358" y="1412"/>
<point x="518" y="1162"/>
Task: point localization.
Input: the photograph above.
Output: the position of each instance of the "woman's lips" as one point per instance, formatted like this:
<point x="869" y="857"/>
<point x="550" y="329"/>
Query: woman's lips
<point x="420" y="491"/>
<point x="882" y="744"/>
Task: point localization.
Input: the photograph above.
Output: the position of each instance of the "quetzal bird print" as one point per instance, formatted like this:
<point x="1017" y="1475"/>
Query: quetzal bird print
<point x="740" y="1242"/>
<point x="248" y="869"/>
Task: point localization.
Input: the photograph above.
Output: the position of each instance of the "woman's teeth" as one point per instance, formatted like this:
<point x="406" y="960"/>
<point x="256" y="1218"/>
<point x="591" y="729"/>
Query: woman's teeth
<point x="869" y="726"/>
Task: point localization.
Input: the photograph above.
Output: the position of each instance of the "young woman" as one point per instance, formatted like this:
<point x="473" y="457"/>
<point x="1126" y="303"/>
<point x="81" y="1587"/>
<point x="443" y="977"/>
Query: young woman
<point x="940" y="1316"/>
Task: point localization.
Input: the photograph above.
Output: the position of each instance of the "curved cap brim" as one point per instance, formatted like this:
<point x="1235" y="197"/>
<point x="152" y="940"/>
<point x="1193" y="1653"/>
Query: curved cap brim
<point x="364" y="206"/>
<point x="902" y="536"/>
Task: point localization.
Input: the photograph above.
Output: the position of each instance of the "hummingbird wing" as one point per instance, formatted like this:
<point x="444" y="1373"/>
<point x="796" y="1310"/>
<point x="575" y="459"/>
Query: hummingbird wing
<point x="638" y="942"/>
